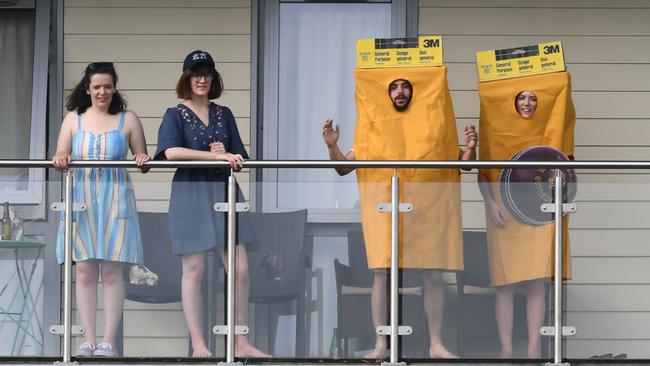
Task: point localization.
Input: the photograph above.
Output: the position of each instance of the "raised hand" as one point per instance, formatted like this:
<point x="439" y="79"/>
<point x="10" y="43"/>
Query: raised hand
<point x="470" y="136"/>
<point x="330" y="133"/>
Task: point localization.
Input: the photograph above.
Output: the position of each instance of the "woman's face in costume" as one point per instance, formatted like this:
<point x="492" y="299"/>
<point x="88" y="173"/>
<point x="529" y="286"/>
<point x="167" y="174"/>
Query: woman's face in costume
<point x="400" y="92"/>
<point x="526" y="103"/>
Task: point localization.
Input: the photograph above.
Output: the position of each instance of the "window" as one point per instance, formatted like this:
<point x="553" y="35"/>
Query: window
<point x="24" y="35"/>
<point x="309" y="59"/>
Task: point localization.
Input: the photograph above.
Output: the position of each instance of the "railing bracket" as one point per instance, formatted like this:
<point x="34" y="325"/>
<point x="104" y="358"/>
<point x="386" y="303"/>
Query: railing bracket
<point x="403" y="207"/>
<point x="223" y="329"/>
<point x="75" y="329"/>
<point x="566" y="331"/>
<point x="239" y="207"/>
<point x="401" y="330"/>
<point x="60" y="206"/>
<point x="566" y="207"/>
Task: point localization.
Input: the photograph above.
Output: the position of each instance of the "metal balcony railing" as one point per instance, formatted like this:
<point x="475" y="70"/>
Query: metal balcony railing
<point x="557" y="331"/>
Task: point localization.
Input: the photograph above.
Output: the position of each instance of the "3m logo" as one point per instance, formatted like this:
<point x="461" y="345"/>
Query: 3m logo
<point x="429" y="43"/>
<point x="551" y="49"/>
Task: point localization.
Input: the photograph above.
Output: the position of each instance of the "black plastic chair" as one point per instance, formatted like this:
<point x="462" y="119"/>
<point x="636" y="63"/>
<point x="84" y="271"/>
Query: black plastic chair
<point x="353" y="287"/>
<point x="278" y="266"/>
<point x="158" y="257"/>
<point x="474" y="280"/>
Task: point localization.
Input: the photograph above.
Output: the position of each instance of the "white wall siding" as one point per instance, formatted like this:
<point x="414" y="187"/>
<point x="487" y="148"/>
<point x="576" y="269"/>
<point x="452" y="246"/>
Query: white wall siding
<point x="606" y="52"/>
<point x="147" y="40"/>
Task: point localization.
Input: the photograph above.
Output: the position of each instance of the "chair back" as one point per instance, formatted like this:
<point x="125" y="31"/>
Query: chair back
<point x="477" y="267"/>
<point x="360" y="275"/>
<point x="278" y="263"/>
<point x="353" y="302"/>
<point x="158" y="257"/>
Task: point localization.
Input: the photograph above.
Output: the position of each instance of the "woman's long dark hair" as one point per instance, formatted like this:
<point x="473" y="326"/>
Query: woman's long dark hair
<point x="79" y="100"/>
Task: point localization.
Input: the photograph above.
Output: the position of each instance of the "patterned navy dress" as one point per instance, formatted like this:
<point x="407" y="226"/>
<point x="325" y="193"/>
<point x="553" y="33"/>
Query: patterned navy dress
<point x="194" y="225"/>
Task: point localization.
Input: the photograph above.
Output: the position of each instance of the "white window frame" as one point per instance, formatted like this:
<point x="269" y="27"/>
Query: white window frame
<point x="35" y="192"/>
<point x="403" y="24"/>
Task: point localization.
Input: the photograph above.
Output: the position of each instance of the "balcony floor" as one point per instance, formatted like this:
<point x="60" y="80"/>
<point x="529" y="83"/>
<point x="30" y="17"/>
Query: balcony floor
<point x="32" y="361"/>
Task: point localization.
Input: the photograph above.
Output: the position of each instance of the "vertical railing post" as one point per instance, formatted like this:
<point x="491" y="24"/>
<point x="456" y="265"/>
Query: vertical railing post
<point x="230" y="287"/>
<point x="231" y="329"/>
<point x="394" y="329"/>
<point x="67" y="270"/>
<point x="557" y="285"/>
<point x="558" y="208"/>
<point x="394" y="269"/>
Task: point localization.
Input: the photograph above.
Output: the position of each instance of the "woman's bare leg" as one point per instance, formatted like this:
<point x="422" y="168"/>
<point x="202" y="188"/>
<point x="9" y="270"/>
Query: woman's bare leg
<point x="535" y="307"/>
<point x="86" y="277"/>
<point x="193" y="269"/>
<point x="504" y="312"/>
<point x="243" y="347"/>
<point x="114" y="293"/>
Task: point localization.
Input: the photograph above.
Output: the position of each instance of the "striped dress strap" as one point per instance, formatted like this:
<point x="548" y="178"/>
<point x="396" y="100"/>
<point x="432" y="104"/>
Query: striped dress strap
<point x="78" y="121"/>
<point x="121" y="120"/>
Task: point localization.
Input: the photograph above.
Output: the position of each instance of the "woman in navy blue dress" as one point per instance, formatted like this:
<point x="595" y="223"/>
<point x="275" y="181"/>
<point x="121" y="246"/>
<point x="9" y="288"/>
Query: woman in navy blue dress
<point x="198" y="129"/>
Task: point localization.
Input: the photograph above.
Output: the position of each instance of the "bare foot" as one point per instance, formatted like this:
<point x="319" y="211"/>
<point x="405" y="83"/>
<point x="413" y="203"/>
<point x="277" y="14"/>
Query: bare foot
<point x="535" y="350"/>
<point x="201" y="352"/>
<point x="244" y="350"/>
<point x="505" y="353"/>
<point x="439" y="351"/>
<point x="377" y="353"/>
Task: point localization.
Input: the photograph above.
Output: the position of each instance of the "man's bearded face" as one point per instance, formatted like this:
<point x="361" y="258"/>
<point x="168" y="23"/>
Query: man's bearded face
<point x="400" y="92"/>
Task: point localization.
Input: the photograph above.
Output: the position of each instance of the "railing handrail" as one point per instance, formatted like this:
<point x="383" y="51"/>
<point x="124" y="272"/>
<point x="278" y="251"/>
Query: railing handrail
<point x="329" y="164"/>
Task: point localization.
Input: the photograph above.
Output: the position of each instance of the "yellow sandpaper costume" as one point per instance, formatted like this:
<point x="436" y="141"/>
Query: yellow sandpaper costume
<point x="430" y="235"/>
<point x="520" y="252"/>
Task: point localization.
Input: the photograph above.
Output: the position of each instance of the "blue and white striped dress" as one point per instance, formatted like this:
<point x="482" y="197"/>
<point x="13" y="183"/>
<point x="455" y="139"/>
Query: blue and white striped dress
<point x="108" y="229"/>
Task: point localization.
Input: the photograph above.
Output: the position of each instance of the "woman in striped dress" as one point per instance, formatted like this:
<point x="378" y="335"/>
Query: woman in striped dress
<point x="106" y="235"/>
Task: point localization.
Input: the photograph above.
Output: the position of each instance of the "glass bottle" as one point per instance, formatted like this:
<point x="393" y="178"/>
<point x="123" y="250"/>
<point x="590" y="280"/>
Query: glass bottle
<point x="334" y="345"/>
<point x="6" y="223"/>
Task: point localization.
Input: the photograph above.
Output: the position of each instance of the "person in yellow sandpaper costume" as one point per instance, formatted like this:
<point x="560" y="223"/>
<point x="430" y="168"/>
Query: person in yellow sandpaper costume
<point x="516" y="114"/>
<point x="407" y="114"/>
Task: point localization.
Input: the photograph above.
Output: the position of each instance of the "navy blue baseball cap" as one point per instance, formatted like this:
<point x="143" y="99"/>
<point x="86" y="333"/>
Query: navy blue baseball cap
<point x="196" y="58"/>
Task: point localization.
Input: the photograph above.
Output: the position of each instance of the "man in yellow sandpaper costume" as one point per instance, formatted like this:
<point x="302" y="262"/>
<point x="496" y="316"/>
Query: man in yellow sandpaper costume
<point x="516" y="114"/>
<point x="407" y="114"/>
